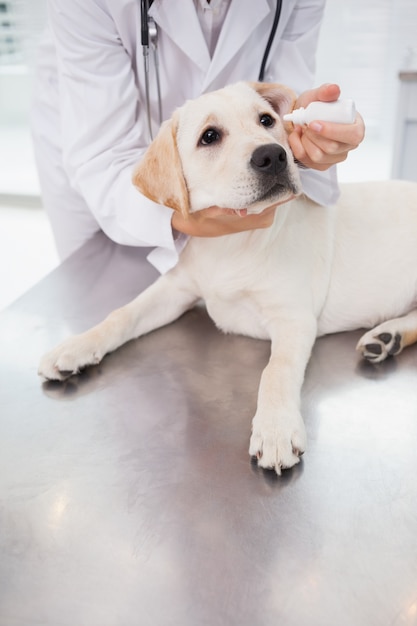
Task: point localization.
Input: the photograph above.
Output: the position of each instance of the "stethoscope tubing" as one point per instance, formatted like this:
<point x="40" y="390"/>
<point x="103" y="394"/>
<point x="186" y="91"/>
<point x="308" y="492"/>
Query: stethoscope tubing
<point x="149" y="38"/>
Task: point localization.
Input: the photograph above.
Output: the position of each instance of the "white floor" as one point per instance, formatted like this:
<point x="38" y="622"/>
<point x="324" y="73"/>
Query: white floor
<point x="27" y="251"/>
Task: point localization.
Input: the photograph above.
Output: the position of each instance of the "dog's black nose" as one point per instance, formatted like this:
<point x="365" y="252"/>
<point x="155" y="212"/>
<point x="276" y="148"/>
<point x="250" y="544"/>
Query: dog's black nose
<point x="269" y="159"/>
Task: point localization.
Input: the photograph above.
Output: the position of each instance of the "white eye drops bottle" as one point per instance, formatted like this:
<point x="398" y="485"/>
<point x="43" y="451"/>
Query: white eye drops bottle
<point x="340" y="111"/>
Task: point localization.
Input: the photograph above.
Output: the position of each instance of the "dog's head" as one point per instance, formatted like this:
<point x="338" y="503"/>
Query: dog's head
<point x="227" y="148"/>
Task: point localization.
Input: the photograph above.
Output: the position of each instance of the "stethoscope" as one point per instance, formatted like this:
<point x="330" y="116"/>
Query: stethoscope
<point x="149" y="40"/>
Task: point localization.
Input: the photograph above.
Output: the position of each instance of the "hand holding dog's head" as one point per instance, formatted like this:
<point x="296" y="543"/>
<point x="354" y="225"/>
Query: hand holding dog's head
<point x="227" y="148"/>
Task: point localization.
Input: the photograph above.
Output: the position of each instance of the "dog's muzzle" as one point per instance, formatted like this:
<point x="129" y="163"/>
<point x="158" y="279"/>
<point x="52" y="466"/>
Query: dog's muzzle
<point x="270" y="159"/>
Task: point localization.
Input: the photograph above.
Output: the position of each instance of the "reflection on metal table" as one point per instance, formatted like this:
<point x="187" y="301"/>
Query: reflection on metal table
<point x="127" y="495"/>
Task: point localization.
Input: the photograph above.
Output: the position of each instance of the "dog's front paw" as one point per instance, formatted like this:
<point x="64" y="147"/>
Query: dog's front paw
<point x="278" y="441"/>
<point x="69" y="358"/>
<point x="380" y="343"/>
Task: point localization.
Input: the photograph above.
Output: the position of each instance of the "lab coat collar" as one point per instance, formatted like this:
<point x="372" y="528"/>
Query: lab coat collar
<point x="187" y="34"/>
<point x="248" y="14"/>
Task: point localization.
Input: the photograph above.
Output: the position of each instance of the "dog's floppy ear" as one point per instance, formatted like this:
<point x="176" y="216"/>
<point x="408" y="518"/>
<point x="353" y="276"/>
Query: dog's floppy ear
<point x="159" y="174"/>
<point x="280" y="97"/>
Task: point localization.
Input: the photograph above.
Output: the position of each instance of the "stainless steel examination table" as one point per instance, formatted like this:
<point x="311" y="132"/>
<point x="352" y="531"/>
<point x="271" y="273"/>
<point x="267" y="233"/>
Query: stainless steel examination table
<point x="127" y="497"/>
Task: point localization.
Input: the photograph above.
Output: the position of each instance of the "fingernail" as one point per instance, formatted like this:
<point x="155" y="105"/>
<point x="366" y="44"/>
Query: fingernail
<point x="316" y="127"/>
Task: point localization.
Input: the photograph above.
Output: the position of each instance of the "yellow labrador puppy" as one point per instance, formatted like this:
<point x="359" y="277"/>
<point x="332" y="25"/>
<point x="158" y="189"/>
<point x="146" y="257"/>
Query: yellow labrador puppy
<point x="316" y="270"/>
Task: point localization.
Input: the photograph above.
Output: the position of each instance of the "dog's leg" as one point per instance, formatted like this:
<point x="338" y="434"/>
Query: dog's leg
<point x="389" y="338"/>
<point x="278" y="432"/>
<point x="160" y="304"/>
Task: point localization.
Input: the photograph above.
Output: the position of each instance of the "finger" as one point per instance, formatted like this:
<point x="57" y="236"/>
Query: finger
<point x="233" y="219"/>
<point x="329" y="143"/>
<point x="310" y="154"/>
<point x="236" y="224"/>
<point x="215" y="211"/>
<point x="260" y="220"/>
<point x="220" y="213"/>
<point x="296" y="145"/>
<point x="327" y="146"/>
<point x="325" y="152"/>
<point x="346" y="134"/>
<point x="328" y="92"/>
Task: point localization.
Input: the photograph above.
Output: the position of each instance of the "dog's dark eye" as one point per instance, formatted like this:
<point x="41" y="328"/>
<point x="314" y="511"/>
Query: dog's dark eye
<point x="267" y="120"/>
<point x="209" y="136"/>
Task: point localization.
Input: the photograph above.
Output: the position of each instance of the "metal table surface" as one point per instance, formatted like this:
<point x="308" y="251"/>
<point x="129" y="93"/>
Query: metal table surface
<point x="127" y="496"/>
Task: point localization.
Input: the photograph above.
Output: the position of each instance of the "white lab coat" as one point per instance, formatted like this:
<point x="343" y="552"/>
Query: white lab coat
<point x="89" y="117"/>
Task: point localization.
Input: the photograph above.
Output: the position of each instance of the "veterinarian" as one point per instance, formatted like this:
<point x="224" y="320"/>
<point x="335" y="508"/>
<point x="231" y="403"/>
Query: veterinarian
<point x="89" y="114"/>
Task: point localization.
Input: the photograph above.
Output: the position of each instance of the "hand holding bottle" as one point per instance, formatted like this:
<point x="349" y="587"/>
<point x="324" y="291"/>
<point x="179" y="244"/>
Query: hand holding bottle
<point x="318" y="143"/>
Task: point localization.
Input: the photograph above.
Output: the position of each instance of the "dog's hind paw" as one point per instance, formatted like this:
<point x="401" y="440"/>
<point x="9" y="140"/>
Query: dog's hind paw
<point x="380" y="343"/>
<point x="277" y="444"/>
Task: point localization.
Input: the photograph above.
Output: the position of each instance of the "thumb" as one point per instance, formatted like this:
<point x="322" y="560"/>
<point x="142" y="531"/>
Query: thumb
<point x="327" y="92"/>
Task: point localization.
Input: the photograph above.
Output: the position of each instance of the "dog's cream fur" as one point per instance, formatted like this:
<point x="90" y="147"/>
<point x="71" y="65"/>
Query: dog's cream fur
<point x="317" y="270"/>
